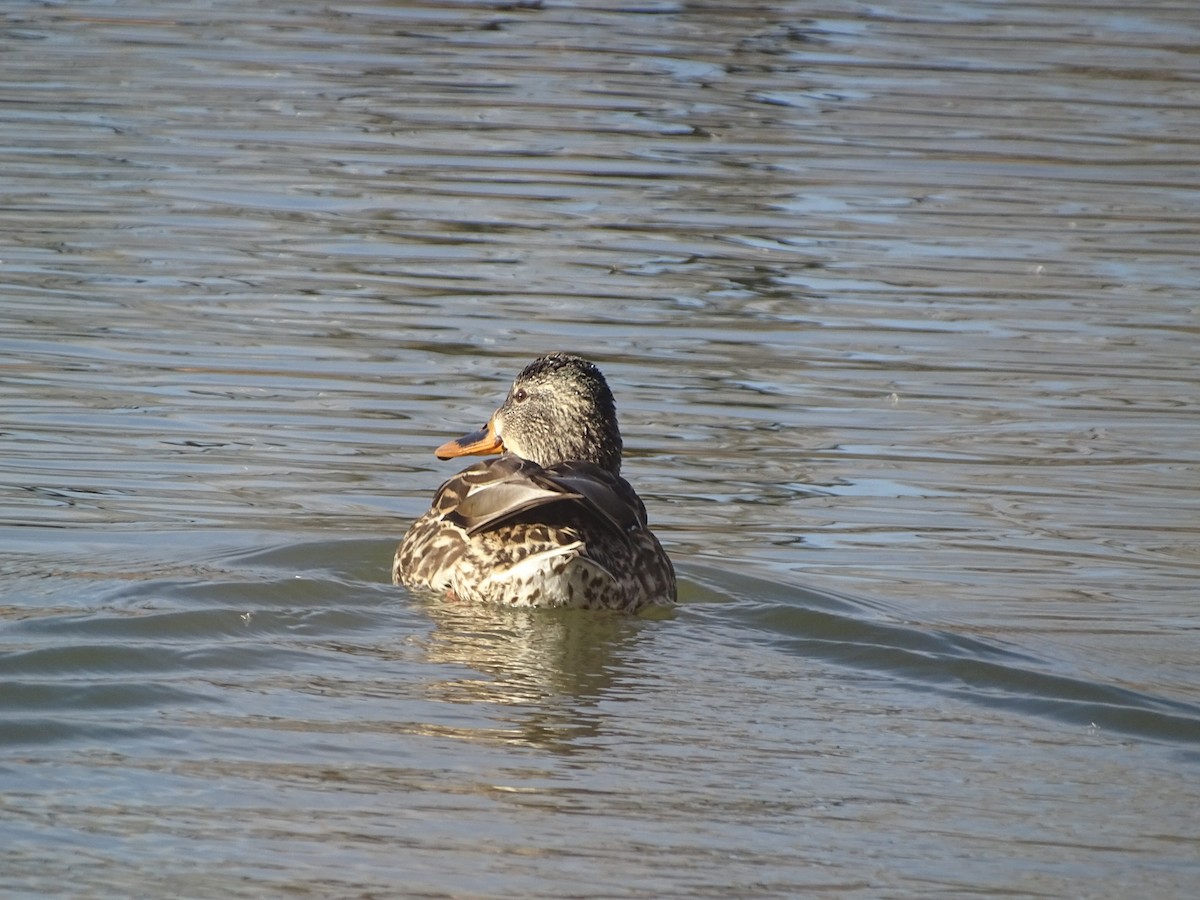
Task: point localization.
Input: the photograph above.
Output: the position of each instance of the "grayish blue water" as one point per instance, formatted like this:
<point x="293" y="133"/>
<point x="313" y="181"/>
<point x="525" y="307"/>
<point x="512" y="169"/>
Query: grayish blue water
<point x="899" y="303"/>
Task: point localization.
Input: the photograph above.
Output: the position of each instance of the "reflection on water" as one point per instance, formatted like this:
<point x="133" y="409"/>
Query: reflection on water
<point x="550" y="670"/>
<point x="897" y="306"/>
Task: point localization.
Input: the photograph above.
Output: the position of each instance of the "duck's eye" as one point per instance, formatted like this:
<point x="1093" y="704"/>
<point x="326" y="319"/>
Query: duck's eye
<point x="520" y="396"/>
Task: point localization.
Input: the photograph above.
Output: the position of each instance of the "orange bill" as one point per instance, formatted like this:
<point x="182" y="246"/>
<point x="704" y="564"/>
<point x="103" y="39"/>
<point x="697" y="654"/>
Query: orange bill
<point x="477" y="443"/>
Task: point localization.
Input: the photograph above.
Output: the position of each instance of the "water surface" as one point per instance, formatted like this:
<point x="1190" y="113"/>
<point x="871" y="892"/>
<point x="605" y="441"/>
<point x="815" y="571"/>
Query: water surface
<point x="900" y="313"/>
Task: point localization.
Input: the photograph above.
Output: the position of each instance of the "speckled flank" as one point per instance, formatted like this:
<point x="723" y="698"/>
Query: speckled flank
<point x="533" y="565"/>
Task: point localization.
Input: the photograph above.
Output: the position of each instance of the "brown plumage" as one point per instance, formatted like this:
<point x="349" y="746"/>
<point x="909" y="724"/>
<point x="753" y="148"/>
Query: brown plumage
<point x="551" y="522"/>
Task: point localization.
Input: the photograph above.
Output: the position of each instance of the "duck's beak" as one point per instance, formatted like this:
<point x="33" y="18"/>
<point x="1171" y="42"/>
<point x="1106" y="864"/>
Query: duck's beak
<point x="477" y="443"/>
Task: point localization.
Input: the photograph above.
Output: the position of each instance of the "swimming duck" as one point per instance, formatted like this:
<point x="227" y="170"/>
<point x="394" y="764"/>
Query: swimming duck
<point x="551" y="522"/>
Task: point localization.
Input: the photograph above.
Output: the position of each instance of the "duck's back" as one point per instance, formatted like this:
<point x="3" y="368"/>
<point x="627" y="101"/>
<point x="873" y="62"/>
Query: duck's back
<point x="510" y="531"/>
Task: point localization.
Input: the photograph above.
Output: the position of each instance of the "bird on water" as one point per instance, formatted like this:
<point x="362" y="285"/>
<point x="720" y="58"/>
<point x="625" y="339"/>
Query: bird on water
<point x="551" y="522"/>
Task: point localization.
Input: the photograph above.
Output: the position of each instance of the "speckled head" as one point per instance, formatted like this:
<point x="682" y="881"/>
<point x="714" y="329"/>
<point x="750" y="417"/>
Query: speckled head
<point x="559" y="408"/>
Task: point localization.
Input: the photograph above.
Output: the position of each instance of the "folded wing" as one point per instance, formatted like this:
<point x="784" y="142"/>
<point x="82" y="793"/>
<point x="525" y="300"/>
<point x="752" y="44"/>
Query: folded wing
<point x="499" y="491"/>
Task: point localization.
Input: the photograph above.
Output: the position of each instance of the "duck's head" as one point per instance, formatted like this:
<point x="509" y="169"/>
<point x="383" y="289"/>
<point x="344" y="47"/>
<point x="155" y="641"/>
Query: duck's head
<point x="558" y="409"/>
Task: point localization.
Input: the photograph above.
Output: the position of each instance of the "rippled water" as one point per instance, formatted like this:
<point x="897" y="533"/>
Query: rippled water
<point x="900" y="307"/>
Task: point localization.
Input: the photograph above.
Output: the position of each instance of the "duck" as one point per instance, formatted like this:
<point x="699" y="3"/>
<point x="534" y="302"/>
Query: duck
<point x="549" y="522"/>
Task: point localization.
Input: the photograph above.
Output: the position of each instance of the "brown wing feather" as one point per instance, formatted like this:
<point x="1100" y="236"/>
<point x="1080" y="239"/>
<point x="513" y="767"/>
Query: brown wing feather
<point x="491" y="493"/>
<point x="609" y="494"/>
